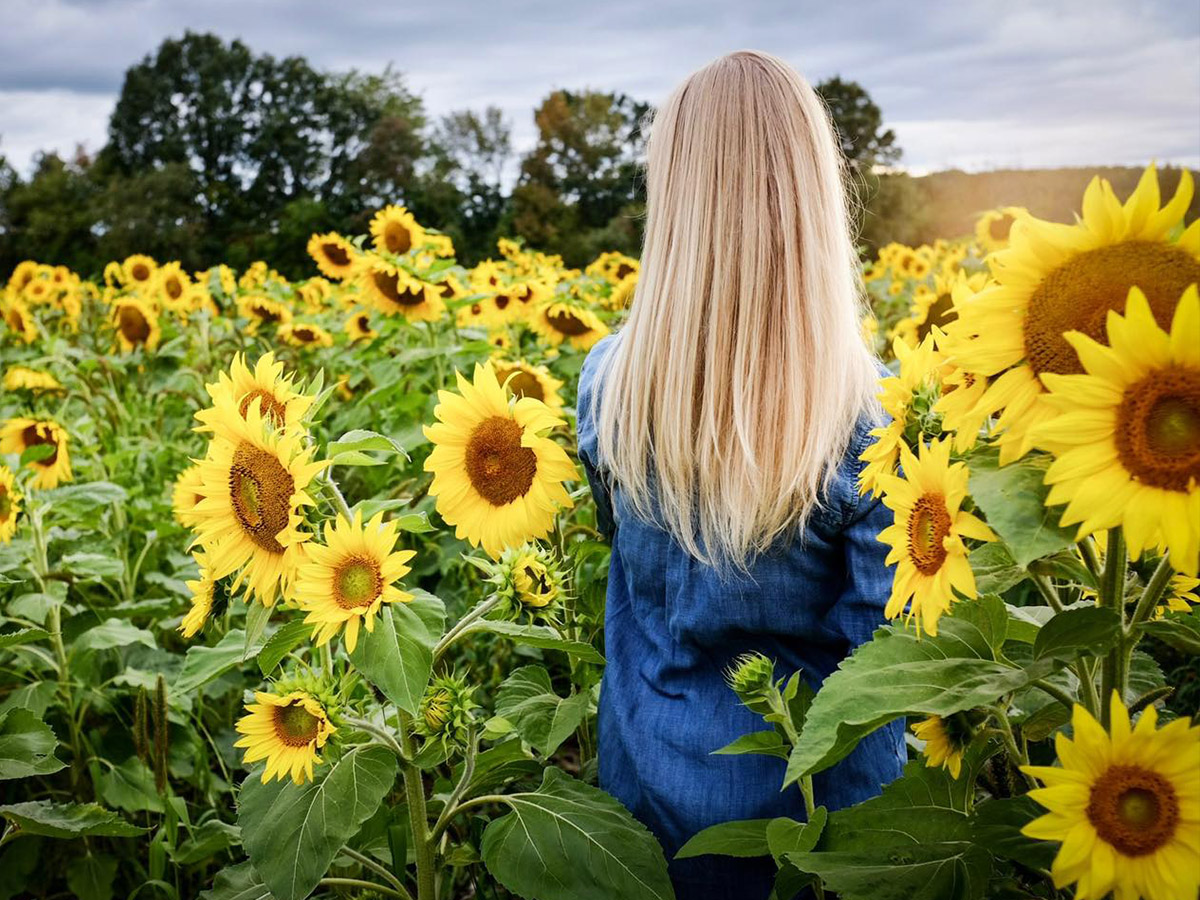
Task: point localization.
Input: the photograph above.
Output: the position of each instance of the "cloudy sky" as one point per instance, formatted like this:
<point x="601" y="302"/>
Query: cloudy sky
<point x="975" y="84"/>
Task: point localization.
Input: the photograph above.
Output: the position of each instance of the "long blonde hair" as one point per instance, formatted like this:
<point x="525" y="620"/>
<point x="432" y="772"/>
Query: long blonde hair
<point x="730" y="398"/>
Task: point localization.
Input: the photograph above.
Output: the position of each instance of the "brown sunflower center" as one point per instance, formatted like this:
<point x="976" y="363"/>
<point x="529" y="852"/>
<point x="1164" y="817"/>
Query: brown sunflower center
<point x="1133" y="809"/>
<point x="140" y="272"/>
<point x="35" y="436"/>
<point x="357" y="582"/>
<point x="999" y="227"/>
<point x="567" y="323"/>
<point x="523" y="384"/>
<point x="5" y="503"/>
<point x="397" y="238"/>
<point x="1158" y="429"/>
<point x="940" y="311"/>
<point x="1078" y="295"/>
<point x="295" y="725"/>
<point x="266" y="313"/>
<point x="336" y="254"/>
<point x="928" y="526"/>
<point x="622" y="270"/>
<point x="268" y="407"/>
<point x="261" y="491"/>
<point x="16" y="321"/>
<point x="133" y="325"/>
<point x="525" y="294"/>
<point x="174" y="288"/>
<point x="304" y="334"/>
<point x="388" y="284"/>
<point x="447" y="290"/>
<point x="500" y="469"/>
<point x="501" y="301"/>
<point x="362" y="322"/>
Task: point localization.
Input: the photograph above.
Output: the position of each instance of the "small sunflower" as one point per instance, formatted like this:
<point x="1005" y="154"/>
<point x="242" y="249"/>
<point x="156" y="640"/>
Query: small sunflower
<point x="524" y="379"/>
<point x="556" y="322"/>
<point x="138" y="270"/>
<point x="993" y="227"/>
<point x="1180" y="594"/>
<point x="262" y="310"/>
<point x="1054" y="279"/>
<point x="393" y="291"/>
<point x="622" y="293"/>
<point x="186" y="495"/>
<point x="1125" y="434"/>
<point x="945" y="741"/>
<point x="1125" y="805"/>
<point x="537" y="583"/>
<point x="305" y="334"/>
<point x="358" y="326"/>
<point x="20" y="320"/>
<point x="136" y="324"/>
<point x="20" y="378"/>
<point x="10" y="504"/>
<point x="347" y="580"/>
<point x="335" y="256"/>
<point x="253" y="481"/>
<point x="496" y="479"/>
<point x="287" y="731"/>
<point x="18" y="435"/>
<point x="203" y="590"/>
<point x="927" y="535"/>
<point x="265" y="387"/>
<point x="175" y="287"/>
<point x="394" y="230"/>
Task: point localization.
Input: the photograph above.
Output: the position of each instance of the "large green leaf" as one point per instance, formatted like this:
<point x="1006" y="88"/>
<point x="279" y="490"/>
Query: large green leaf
<point x="899" y="673"/>
<point x="570" y="841"/>
<point x="130" y="786"/>
<point x="1180" y="632"/>
<point x="397" y="657"/>
<point x="540" y="636"/>
<point x="91" y="877"/>
<point x="67" y="820"/>
<point x="997" y="825"/>
<point x="527" y="700"/>
<point x="1013" y="499"/>
<point x="292" y="832"/>
<point x="113" y="633"/>
<point x="994" y="568"/>
<point x="26" y="745"/>
<point x="285" y="639"/>
<point x="238" y="882"/>
<point x="913" y="842"/>
<point x="745" y="838"/>
<point x="21" y="636"/>
<point x="202" y="664"/>
<point x="75" y="499"/>
<point x="1090" y="630"/>
<point x="764" y="743"/>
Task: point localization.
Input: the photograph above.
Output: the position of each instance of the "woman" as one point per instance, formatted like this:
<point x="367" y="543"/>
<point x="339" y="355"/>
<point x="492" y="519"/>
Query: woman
<point x="720" y="430"/>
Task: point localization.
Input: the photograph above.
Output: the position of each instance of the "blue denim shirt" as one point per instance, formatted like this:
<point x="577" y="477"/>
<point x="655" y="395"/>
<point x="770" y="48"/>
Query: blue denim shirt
<point x="672" y="627"/>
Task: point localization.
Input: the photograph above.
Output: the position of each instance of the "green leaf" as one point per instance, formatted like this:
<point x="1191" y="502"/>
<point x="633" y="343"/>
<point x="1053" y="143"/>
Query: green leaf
<point x="397" y="657"/>
<point x="745" y="838"/>
<point x="91" y="877"/>
<point x="292" y="832"/>
<point x="1013" y="499"/>
<point x="900" y="674"/>
<point x="27" y="746"/>
<point x="526" y="699"/>
<point x="238" y="882"/>
<point x="352" y="447"/>
<point x="1179" y="631"/>
<point x="286" y="639"/>
<point x="765" y="743"/>
<point x="206" y="840"/>
<point x="913" y="842"/>
<point x="1024" y="622"/>
<point x="113" y="633"/>
<point x="539" y="636"/>
<point x="22" y="636"/>
<point x="414" y="523"/>
<point x="1065" y="565"/>
<point x="997" y="823"/>
<point x="130" y="786"/>
<point x="995" y="571"/>
<point x="786" y="835"/>
<point x="570" y="841"/>
<point x="75" y="499"/>
<point x="499" y="765"/>
<point x="202" y="664"/>
<point x="989" y="615"/>
<point x="67" y="820"/>
<point x="1087" y="630"/>
<point x="257" y="617"/>
<point x="92" y="565"/>
<point x="37" y="453"/>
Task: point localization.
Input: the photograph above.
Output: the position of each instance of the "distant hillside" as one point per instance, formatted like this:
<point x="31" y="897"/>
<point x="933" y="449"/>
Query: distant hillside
<point x="952" y="201"/>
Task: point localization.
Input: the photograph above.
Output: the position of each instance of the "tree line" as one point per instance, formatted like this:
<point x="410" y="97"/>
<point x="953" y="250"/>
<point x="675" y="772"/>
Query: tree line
<point x="216" y="153"/>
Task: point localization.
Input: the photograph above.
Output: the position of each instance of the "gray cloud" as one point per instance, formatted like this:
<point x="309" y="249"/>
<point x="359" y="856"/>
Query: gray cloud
<point x="971" y="84"/>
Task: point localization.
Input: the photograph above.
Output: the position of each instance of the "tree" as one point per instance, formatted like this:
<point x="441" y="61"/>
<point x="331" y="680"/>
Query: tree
<point x="859" y="123"/>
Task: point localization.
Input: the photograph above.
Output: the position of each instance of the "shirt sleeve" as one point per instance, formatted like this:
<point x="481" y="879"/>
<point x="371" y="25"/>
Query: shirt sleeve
<point x="587" y="442"/>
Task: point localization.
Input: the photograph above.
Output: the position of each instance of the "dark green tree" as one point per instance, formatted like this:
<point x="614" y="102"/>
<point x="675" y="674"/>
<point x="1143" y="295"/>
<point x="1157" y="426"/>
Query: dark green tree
<point x="859" y="122"/>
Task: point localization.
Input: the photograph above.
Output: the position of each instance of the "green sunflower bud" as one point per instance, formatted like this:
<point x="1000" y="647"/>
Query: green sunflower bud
<point x="446" y="713"/>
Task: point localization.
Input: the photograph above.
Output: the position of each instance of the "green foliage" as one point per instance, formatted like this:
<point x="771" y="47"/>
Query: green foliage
<point x="397" y="656"/>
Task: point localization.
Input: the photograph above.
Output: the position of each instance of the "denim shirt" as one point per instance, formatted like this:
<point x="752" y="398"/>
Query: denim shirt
<point x="673" y="626"/>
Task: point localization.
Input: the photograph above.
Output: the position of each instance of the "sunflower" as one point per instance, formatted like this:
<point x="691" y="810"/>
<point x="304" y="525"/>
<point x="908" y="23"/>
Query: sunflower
<point x="18" y="435"/>
<point x="20" y="378"/>
<point x="10" y="504"/>
<point x="287" y="730"/>
<point x="24" y="272"/>
<point x="900" y="396"/>
<point x="175" y="287"/>
<point x="203" y="590"/>
<point x="262" y="310"/>
<point x="305" y="334"/>
<point x="993" y="227"/>
<point x="186" y="495"/>
<point x="394" y="230"/>
<point x="136" y="324"/>
<point x="358" y="326"/>
<point x="253" y="482"/>
<point x="1056" y="278"/>
<point x="265" y="388"/>
<point x="20" y="320"/>
<point x="945" y="741"/>
<point x="470" y="315"/>
<point x="314" y="294"/>
<point x="927" y="535"/>
<point x="556" y="322"/>
<point x="335" y="256"/>
<point x="524" y="379"/>
<point x="347" y="580"/>
<point x="1126" y="433"/>
<point x="138" y="270"/>
<point x="495" y="478"/>
<point x="393" y="291"/>
<point x="1180" y="594"/>
<point x="536" y="583"/>
<point x="501" y="340"/>
<point x="487" y="275"/>
<point x="622" y="293"/>
<point x="934" y="307"/>
<point x="1125" y="805"/>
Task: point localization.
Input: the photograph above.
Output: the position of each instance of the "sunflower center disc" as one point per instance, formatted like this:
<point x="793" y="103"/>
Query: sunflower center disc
<point x="1133" y="809"/>
<point x="939" y="313"/>
<point x="357" y="583"/>
<point x="622" y="270"/>
<point x="174" y="288"/>
<point x="397" y="239"/>
<point x="35" y="436"/>
<point x="295" y="725"/>
<point x="389" y="285"/>
<point x="568" y="324"/>
<point x="499" y="468"/>
<point x="133" y="325"/>
<point x="928" y="525"/>
<point x="501" y="301"/>
<point x="140" y="272"/>
<point x="5" y="503"/>
<point x="522" y="384"/>
<point x="261" y="490"/>
<point x="268" y="406"/>
<point x="1078" y="295"/>
<point x="1158" y="429"/>
<point x="336" y="254"/>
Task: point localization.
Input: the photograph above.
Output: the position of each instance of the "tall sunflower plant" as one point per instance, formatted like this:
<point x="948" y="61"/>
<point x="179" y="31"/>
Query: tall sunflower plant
<point x="1040" y="455"/>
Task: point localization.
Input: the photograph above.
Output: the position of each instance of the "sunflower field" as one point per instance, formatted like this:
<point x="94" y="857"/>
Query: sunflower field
<point x="302" y="589"/>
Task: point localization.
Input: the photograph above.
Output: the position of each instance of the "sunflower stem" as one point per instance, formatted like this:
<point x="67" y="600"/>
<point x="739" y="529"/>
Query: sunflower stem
<point x="1056" y="692"/>
<point x="1049" y="593"/>
<point x="456" y="795"/>
<point x="1155" y="588"/>
<point x="366" y="861"/>
<point x="381" y="889"/>
<point x="375" y="731"/>
<point x="472" y="615"/>
<point x="1010" y="742"/>
<point x="1087" y="549"/>
<point x="1087" y="687"/>
<point x="418" y="817"/>
<point x="1112" y="595"/>
<point x="338" y="499"/>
